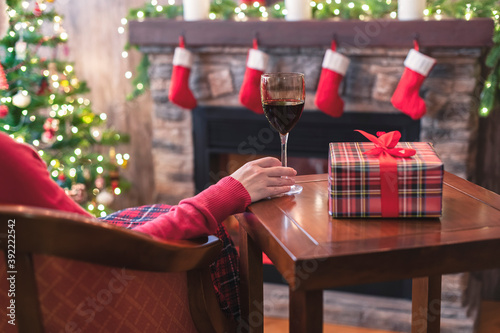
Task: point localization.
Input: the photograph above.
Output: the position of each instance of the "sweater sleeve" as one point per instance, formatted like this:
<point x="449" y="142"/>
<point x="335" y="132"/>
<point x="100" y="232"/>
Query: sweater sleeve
<point x="201" y="214"/>
<point x="25" y="180"/>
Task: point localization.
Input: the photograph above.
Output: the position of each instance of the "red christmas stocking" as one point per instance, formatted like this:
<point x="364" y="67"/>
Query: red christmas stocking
<point x="406" y="97"/>
<point x="250" y="89"/>
<point x="333" y="70"/>
<point x="179" y="92"/>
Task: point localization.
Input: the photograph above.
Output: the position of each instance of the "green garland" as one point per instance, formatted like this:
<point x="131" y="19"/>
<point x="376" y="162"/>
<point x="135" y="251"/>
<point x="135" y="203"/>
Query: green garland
<point x="342" y="9"/>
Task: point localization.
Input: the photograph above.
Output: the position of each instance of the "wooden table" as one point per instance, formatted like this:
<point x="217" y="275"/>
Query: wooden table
<point x="313" y="251"/>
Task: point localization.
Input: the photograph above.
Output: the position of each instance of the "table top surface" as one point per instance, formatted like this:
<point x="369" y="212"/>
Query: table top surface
<point x="297" y="231"/>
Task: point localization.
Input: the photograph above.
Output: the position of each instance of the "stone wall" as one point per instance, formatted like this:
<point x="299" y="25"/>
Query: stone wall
<point x="450" y="93"/>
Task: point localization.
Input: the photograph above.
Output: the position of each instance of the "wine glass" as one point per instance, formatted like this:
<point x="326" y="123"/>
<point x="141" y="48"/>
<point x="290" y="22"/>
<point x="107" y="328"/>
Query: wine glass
<point x="283" y="96"/>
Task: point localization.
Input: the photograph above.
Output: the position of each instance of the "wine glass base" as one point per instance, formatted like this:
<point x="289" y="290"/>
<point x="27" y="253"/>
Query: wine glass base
<point x="296" y="189"/>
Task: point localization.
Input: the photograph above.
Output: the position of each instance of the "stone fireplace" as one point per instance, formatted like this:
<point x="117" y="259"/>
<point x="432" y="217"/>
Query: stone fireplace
<point x="186" y="143"/>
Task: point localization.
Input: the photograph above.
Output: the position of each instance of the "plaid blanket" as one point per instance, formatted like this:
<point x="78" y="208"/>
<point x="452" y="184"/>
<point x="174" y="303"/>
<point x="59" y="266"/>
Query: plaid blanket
<point x="224" y="271"/>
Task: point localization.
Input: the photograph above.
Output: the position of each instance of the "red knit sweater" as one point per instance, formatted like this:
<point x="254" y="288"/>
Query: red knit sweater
<point x="25" y="180"/>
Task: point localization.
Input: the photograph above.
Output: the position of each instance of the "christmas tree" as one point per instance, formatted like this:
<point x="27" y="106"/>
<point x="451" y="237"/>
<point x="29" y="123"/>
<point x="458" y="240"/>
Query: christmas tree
<point x="42" y="103"/>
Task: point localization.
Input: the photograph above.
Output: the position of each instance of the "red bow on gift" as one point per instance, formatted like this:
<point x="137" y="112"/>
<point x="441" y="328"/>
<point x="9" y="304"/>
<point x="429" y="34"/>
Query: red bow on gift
<point x="386" y="143"/>
<point x="385" y="150"/>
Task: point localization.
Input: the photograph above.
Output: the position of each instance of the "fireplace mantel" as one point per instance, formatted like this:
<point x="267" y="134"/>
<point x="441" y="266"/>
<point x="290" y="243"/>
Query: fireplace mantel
<point x="314" y="33"/>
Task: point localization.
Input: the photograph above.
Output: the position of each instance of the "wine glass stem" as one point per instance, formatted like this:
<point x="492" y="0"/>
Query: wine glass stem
<point x="284" y="140"/>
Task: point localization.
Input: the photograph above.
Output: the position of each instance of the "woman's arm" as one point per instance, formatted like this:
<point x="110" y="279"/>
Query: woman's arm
<point x="201" y="214"/>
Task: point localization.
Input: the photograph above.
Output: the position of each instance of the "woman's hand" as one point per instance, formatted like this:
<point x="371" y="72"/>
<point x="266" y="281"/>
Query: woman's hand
<point x="265" y="177"/>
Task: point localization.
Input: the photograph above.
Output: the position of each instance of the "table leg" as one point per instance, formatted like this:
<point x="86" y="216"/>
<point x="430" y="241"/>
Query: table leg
<point x="306" y="311"/>
<point x="426" y="304"/>
<point x="251" y="285"/>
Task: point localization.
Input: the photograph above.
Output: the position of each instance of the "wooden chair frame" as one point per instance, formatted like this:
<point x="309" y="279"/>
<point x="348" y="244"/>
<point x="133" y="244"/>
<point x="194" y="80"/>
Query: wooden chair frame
<point x="73" y="236"/>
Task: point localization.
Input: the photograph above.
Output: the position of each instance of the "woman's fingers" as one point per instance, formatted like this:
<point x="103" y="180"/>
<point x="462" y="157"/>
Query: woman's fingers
<point x="265" y="177"/>
<point x="267" y="162"/>
<point x="281" y="172"/>
<point x="280" y="181"/>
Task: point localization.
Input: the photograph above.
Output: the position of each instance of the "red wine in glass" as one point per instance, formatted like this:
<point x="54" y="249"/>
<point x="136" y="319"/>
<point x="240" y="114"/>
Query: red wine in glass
<point x="283" y="96"/>
<point x="283" y="114"/>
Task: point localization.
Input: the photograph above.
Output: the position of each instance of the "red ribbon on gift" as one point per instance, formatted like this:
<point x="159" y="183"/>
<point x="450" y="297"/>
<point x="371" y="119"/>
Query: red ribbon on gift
<point x="385" y="149"/>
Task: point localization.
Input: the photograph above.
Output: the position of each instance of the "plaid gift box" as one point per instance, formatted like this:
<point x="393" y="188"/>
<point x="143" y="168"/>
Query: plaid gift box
<point x="355" y="181"/>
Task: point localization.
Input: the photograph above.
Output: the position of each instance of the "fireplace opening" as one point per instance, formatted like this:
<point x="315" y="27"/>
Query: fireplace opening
<point x="225" y="138"/>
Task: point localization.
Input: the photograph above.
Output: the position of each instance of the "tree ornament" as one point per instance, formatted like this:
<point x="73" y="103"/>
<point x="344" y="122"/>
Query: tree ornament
<point x="251" y="2"/>
<point x="104" y="198"/>
<point x="406" y="97"/>
<point x="333" y="70"/>
<point x="48" y="137"/>
<point x="22" y="99"/>
<point x="100" y="182"/>
<point x="250" y="89"/>
<point x="114" y="176"/>
<point x="78" y="193"/>
<point x="20" y="48"/>
<point x="4" y="111"/>
<point x="37" y="11"/>
<point x="62" y="181"/>
<point x="179" y="92"/>
<point x="44" y="86"/>
<point x="51" y="126"/>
